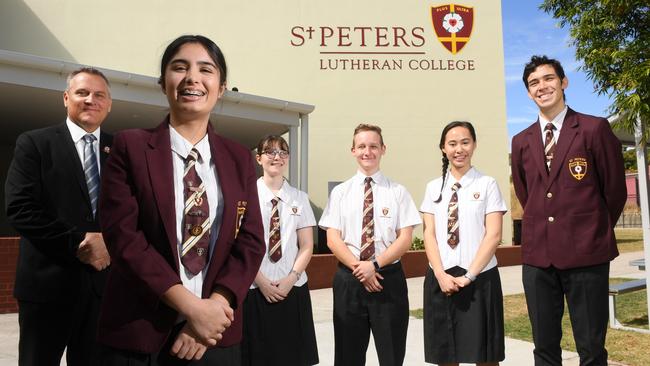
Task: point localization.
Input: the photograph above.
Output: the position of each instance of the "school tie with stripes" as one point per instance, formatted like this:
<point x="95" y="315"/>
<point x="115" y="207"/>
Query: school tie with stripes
<point x="453" y="236"/>
<point x="549" y="145"/>
<point x="196" y="221"/>
<point x="275" y="244"/>
<point x="367" y="231"/>
<point x="91" y="170"/>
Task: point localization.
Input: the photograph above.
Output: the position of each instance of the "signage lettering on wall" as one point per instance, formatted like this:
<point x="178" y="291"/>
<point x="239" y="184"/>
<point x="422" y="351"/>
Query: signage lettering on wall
<point x="387" y="48"/>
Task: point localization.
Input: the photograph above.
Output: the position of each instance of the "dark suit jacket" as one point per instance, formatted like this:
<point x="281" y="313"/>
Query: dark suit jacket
<point x="47" y="202"/>
<point x="139" y="224"/>
<point x="568" y="218"/>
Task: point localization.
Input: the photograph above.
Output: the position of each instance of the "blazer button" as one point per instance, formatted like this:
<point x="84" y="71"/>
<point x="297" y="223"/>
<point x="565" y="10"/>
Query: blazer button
<point x="551" y="219"/>
<point x="549" y="195"/>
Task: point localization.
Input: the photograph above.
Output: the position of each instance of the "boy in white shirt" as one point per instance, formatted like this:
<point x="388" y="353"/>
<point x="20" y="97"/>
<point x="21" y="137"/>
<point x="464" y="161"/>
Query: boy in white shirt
<point x="369" y="221"/>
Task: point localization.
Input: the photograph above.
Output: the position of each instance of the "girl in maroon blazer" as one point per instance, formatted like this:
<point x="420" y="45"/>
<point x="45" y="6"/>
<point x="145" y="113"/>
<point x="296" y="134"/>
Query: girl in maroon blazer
<point x="181" y="219"/>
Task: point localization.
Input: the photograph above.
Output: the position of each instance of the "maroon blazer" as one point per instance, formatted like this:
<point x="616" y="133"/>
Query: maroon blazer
<point x="139" y="226"/>
<point x="569" y="213"/>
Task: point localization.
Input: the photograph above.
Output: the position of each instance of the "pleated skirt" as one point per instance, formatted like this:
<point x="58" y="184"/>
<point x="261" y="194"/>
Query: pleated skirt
<point x="279" y="333"/>
<point x="466" y="327"/>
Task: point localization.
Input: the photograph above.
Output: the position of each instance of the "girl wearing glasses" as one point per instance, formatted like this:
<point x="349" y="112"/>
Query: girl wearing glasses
<point x="278" y="323"/>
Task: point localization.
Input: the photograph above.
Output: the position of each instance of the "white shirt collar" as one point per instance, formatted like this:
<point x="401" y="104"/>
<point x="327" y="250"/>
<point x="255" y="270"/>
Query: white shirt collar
<point x="182" y="147"/>
<point x="557" y="121"/>
<point x="77" y="133"/>
<point x="465" y="180"/>
<point x="266" y="195"/>
<point x="377" y="178"/>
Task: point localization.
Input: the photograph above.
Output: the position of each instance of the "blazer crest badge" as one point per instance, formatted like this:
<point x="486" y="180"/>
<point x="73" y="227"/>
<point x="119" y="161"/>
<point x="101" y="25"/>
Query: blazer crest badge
<point x="241" y="211"/>
<point x="578" y="167"/>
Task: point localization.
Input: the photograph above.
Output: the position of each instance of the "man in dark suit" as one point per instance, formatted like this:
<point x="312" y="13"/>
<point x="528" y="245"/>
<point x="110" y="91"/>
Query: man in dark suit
<point x="568" y="174"/>
<point x="51" y="198"/>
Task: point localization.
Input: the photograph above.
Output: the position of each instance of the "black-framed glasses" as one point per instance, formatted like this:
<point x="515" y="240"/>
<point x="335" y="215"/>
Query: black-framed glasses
<point x="283" y="154"/>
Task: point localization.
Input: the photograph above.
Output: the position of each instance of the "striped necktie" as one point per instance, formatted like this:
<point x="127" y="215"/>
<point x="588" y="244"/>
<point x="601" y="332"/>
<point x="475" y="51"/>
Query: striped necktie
<point x="549" y="145"/>
<point x="367" y="235"/>
<point x="453" y="236"/>
<point x="196" y="225"/>
<point x="91" y="170"/>
<point x="275" y="244"/>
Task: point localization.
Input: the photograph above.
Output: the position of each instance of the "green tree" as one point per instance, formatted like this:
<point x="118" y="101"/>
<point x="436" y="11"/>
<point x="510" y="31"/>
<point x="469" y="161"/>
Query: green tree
<point x="629" y="159"/>
<point x="612" y="39"/>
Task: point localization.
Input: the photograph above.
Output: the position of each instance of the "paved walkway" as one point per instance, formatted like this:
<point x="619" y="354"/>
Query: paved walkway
<point x="518" y="353"/>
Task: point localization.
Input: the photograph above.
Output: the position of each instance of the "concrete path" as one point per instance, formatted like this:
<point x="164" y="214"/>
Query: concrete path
<point x="518" y="353"/>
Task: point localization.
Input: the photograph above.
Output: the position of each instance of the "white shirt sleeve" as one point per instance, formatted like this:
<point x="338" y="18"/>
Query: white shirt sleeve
<point x="408" y="213"/>
<point x="430" y="195"/>
<point x="332" y="217"/>
<point x="494" y="200"/>
<point x="307" y="216"/>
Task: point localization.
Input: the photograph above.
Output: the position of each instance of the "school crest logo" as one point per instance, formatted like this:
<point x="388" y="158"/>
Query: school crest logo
<point x="385" y="211"/>
<point x="453" y="25"/>
<point x="578" y="167"/>
<point x="294" y="209"/>
<point x="477" y="195"/>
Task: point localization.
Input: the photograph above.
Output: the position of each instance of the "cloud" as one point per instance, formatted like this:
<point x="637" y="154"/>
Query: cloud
<point x="520" y="120"/>
<point x="513" y="78"/>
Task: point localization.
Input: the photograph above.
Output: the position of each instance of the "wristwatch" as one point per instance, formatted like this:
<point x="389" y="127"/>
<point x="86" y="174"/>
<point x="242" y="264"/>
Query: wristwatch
<point x="469" y="276"/>
<point x="298" y="274"/>
<point x="374" y="263"/>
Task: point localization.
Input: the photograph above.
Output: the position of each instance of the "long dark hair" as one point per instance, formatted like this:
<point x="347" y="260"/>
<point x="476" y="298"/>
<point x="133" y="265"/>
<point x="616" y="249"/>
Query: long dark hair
<point x="445" y="161"/>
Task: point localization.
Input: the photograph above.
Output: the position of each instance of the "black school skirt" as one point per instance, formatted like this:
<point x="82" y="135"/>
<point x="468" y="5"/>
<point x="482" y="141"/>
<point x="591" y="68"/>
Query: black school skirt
<point x="279" y="333"/>
<point x="466" y="327"/>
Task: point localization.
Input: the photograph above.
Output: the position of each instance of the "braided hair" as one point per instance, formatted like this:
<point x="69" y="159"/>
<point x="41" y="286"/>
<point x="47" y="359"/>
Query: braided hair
<point x="445" y="160"/>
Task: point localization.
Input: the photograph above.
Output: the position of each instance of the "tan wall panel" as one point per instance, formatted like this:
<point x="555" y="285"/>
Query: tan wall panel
<point x="411" y="105"/>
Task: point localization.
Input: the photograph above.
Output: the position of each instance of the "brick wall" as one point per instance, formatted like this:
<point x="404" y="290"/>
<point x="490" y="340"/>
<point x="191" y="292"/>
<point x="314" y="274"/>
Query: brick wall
<point x="8" y="256"/>
<point x="320" y="270"/>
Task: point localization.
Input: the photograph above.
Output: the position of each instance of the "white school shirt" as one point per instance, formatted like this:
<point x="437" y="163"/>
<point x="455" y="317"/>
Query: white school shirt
<point x="478" y="196"/>
<point x="77" y="133"/>
<point x="295" y="213"/>
<point x="206" y="169"/>
<point x="557" y="121"/>
<point x="393" y="209"/>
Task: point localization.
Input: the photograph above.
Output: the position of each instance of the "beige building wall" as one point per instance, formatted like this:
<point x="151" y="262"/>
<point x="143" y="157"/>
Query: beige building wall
<point x="266" y="57"/>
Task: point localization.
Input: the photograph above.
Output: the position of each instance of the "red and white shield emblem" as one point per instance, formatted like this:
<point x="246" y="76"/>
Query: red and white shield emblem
<point x="453" y="24"/>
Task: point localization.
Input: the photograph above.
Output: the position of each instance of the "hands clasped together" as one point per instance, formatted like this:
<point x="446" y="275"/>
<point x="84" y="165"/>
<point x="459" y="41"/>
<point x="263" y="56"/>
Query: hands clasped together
<point x="205" y="325"/>
<point x="450" y="284"/>
<point x="365" y="272"/>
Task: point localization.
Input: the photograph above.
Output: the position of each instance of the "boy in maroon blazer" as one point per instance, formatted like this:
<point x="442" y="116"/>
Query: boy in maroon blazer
<point x="568" y="174"/>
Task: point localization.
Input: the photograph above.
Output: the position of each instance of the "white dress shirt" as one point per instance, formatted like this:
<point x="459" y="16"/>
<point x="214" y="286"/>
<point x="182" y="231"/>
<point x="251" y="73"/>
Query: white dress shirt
<point x="295" y="213"/>
<point x="207" y="171"/>
<point x="393" y="209"/>
<point x="77" y="133"/>
<point x="478" y="196"/>
<point x="557" y="121"/>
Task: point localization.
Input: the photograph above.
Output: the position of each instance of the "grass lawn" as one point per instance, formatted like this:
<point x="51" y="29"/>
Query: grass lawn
<point x="627" y="347"/>
<point x="623" y="346"/>
<point x="629" y="240"/>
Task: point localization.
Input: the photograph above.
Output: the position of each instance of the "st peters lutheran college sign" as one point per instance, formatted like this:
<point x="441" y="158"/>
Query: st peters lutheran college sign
<point x="383" y="48"/>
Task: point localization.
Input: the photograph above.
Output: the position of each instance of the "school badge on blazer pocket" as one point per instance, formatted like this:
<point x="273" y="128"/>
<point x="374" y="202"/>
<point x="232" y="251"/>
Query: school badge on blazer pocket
<point x="578" y="168"/>
<point x="241" y="211"/>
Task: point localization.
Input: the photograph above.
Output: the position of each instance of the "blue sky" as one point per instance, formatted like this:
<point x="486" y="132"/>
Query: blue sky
<point x="527" y="31"/>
